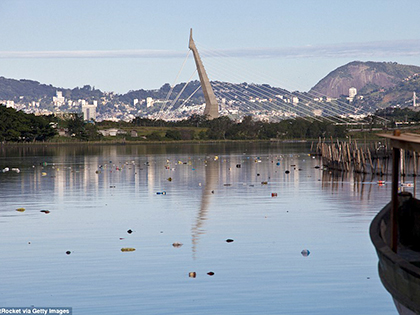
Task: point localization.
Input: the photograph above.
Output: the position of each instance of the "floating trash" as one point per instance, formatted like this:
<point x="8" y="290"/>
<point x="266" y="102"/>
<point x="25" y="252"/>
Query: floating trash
<point x="264" y="183"/>
<point x="6" y="169"/>
<point x="128" y="249"/>
<point x="210" y="273"/>
<point x="317" y="167"/>
<point x="278" y="163"/>
<point x="305" y="252"/>
<point x="15" y="169"/>
<point x="43" y="174"/>
<point x="287" y="172"/>
<point x="161" y="193"/>
<point x="20" y="209"/>
<point x="229" y="240"/>
<point x="169" y="179"/>
<point x="129" y="231"/>
<point x="112" y="186"/>
<point x="238" y="166"/>
<point x="177" y="244"/>
<point x="68" y="252"/>
<point x="273" y="194"/>
<point x="192" y="274"/>
<point x="45" y="211"/>
<point x="407" y="185"/>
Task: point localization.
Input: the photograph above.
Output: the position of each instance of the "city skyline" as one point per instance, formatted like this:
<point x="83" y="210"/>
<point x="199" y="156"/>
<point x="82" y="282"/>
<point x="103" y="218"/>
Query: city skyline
<point x="129" y="45"/>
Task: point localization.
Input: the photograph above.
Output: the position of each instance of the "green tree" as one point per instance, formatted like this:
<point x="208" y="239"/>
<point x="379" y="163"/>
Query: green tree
<point x="219" y="127"/>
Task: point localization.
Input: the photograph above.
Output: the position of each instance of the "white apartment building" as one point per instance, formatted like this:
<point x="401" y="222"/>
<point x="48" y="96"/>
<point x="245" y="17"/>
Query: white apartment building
<point x="58" y="100"/>
<point x="89" y="110"/>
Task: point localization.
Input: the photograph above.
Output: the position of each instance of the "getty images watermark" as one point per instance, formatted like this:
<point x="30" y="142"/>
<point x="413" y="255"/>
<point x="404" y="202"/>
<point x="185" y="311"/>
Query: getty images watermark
<point x="36" y="310"/>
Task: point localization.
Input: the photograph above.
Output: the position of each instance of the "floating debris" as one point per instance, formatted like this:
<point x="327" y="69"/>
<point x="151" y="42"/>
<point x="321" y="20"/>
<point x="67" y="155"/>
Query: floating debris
<point x="128" y="249"/>
<point x="6" y="169"/>
<point x="287" y="172"/>
<point x="264" y="183"/>
<point x="170" y="179"/>
<point x="192" y="274"/>
<point x="112" y="186"/>
<point x="43" y="174"/>
<point x="68" y="252"/>
<point x="161" y="193"/>
<point x="177" y="244"/>
<point x="227" y="184"/>
<point x="210" y="273"/>
<point x="229" y="240"/>
<point x="15" y="169"/>
<point x="273" y="194"/>
<point x="129" y="231"/>
<point x="20" y="209"/>
<point x="45" y="211"/>
<point x="238" y="166"/>
<point x="407" y="185"/>
<point x="305" y="252"/>
<point x="317" y="167"/>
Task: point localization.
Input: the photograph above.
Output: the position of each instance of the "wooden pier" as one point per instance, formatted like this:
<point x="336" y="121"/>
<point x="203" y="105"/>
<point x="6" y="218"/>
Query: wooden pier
<point x="367" y="158"/>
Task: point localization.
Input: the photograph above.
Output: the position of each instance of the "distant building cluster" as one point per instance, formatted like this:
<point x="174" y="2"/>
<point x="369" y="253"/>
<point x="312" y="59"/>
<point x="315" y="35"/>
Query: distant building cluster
<point x="235" y="101"/>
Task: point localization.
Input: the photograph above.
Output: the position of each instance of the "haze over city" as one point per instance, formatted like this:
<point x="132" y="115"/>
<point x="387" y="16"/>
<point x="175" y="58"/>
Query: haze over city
<point x="128" y="45"/>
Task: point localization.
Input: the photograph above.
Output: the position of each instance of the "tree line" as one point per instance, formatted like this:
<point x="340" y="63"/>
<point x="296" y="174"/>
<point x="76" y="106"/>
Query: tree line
<point x="17" y="126"/>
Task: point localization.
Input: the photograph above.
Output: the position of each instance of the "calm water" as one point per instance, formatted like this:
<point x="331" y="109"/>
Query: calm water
<point x="96" y="194"/>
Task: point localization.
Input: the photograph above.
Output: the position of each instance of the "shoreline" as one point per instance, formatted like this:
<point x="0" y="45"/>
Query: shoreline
<point x="23" y="144"/>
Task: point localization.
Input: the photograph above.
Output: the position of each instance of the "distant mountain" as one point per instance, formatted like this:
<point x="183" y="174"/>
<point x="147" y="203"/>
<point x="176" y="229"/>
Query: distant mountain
<point x="364" y="76"/>
<point x="29" y="90"/>
<point x="400" y="95"/>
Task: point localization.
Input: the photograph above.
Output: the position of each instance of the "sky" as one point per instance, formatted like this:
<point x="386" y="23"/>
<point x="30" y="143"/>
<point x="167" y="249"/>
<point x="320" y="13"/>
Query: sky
<point x="123" y="45"/>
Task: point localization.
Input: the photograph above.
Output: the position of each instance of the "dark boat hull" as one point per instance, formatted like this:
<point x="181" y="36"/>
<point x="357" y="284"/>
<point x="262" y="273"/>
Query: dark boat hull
<point x="400" y="277"/>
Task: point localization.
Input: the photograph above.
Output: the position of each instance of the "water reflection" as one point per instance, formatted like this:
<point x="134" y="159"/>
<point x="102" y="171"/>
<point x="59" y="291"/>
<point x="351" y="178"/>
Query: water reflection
<point x="97" y="193"/>
<point x="211" y="179"/>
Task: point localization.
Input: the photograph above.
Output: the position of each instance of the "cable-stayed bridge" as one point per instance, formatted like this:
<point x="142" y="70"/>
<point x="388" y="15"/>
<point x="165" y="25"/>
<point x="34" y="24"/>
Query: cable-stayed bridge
<point x="262" y="101"/>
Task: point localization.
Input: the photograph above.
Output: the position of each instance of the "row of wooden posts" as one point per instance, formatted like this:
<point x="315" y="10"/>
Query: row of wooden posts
<point x="372" y="157"/>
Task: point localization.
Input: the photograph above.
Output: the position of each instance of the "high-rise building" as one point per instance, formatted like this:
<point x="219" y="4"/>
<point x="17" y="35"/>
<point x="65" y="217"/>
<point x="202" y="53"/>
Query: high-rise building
<point x="10" y="104"/>
<point x="89" y="111"/>
<point x="149" y="102"/>
<point x="58" y="100"/>
<point x="352" y="92"/>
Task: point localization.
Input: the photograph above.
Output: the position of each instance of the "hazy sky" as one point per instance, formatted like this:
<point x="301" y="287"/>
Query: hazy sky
<point x="122" y="45"/>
